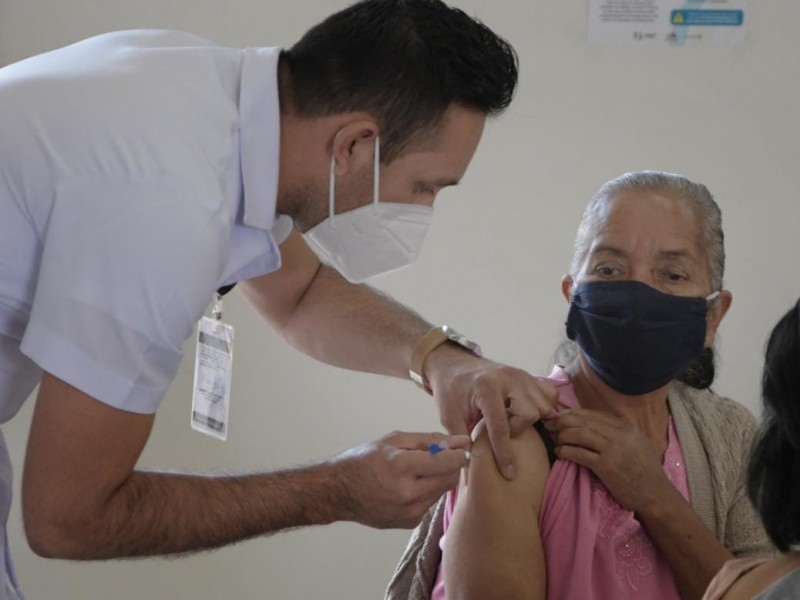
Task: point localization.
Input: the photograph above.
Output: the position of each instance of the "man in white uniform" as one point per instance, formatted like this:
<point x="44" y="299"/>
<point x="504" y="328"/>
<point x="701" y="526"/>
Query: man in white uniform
<point x="142" y="171"/>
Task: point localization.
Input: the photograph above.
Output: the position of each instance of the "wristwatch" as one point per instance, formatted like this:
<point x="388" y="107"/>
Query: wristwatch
<point x="428" y="343"/>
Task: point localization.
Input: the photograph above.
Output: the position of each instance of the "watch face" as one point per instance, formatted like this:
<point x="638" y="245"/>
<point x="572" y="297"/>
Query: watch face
<point x="416" y="378"/>
<point x="461" y="340"/>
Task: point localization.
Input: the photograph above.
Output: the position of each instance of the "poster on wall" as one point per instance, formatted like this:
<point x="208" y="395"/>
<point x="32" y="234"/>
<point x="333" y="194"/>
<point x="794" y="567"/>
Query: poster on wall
<point x="667" y="22"/>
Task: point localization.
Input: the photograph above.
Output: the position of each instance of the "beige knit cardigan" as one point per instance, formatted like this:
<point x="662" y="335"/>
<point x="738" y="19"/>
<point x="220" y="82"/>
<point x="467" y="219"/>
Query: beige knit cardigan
<point x="715" y="434"/>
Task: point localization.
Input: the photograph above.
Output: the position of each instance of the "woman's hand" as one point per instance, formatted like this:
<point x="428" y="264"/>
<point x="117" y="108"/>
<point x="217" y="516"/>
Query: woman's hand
<point x="616" y="451"/>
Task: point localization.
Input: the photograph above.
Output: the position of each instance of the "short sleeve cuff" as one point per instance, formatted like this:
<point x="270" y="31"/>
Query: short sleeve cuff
<point x="70" y="364"/>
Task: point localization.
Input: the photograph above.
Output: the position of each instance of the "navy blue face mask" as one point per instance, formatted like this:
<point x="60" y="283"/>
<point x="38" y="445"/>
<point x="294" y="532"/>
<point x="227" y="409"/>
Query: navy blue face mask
<point x="634" y="337"/>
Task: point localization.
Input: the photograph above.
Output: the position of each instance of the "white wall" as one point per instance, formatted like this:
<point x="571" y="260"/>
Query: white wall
<point x="727" y="117"/>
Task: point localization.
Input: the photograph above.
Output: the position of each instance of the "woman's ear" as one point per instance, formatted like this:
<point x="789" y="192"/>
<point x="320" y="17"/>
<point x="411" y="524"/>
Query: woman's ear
<point x="354" y="145"/>
<point x="566" y="287"/>
<point x="717" y="310"/>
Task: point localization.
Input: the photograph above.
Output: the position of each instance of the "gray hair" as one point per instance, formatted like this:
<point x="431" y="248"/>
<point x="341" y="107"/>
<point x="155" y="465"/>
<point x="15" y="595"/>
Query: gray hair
<point x="699" y="200"/>
<point x="694" y="195"/>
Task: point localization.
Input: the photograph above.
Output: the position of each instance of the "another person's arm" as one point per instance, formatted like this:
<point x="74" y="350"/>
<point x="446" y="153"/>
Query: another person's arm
<point x="357" y="327"/>
<point x="82" y="498"/>
<point x="493" y="547"/>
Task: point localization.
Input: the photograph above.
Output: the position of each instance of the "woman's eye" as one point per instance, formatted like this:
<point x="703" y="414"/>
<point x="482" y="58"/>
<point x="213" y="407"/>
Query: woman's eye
<point x="606" y="271"/>
<point x="674" y="277"/>
<point x="671" y="277"/>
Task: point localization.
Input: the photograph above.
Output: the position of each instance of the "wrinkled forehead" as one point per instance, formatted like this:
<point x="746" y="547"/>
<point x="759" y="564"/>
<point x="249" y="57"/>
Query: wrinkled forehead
<point x="646" y="203"/>
<point x="650" y="219"/>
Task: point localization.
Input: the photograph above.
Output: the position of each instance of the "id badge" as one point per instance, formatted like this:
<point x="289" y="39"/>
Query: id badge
<point x="212" y="378"/>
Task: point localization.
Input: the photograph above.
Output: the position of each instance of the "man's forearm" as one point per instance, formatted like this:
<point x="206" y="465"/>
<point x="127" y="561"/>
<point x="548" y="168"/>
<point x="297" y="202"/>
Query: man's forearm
<point x="354" y="327"/>
<point x="82" y="497"/>
<point x="158" y="513"/>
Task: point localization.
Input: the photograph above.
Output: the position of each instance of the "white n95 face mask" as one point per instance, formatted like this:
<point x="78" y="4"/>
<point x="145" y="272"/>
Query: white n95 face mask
<point x="371" y="240"/>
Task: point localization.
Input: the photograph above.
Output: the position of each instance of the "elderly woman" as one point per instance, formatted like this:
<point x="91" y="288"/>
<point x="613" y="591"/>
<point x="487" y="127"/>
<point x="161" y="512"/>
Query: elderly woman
<point x="773" y="480"/>
<point x="644" y="497"/>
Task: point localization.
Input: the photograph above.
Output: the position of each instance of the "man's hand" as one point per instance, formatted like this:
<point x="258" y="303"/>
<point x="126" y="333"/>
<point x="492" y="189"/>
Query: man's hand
<point x="392" y="482"/>
<point x="468" y="388"/>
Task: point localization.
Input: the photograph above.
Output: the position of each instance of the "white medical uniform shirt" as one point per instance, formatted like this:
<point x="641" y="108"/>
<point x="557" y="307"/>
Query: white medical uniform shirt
<point x="138" y="174"/>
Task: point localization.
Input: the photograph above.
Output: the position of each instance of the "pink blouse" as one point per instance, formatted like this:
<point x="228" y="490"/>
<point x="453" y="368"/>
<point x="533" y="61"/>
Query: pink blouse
<point x="595" y="549"/>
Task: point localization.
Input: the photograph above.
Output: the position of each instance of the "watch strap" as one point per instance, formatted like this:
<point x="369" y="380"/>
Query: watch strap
<point x="434" y="338"/>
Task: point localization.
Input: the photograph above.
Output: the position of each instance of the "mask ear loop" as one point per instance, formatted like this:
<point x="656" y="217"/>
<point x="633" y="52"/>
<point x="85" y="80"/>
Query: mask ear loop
<point x="376" y="168"/>
<point x="376" y="179"/>
<point x="711" y="297"/>
<point x="332" y="191"/>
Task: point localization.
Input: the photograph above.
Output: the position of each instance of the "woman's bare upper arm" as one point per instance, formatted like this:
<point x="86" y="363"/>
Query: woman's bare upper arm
<point x="493" y="545"/>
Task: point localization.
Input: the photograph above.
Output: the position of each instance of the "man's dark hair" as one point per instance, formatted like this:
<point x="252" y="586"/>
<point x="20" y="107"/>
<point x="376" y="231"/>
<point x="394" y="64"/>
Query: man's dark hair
<point x="404" y="62"/>
<point x="773" y="478"/>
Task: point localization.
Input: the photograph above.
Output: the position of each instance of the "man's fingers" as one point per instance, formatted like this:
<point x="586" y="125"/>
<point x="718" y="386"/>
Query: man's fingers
<point x="392" y="481"/>
<point x="423" y="441"/>
<point x="543" y="396"/>
<point x="530" y="403"/>
<point x="463" y="442"/>
<point x="423" y="463"/>
<point x="499" y="431"/>
<point x="412" y="497"/>
<point x="523" y="410"/>
<point x="426" y="478"/>
<point x="430" y="490"/>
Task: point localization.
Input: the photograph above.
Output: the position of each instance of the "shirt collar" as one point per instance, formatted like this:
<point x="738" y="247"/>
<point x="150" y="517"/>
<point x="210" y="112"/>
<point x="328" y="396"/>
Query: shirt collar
<point x="259" y="135"/>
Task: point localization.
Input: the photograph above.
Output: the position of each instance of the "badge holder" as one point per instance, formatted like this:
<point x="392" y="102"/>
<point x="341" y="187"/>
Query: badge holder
<point x="213" y="366"/>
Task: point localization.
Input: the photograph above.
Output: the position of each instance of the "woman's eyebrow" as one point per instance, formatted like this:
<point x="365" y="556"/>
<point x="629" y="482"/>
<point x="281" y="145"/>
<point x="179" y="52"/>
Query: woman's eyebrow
<point x="606" y="249"/>
<point x="679" y="253"/>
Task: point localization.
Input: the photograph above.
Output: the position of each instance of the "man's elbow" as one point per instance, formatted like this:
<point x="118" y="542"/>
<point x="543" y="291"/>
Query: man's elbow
<point x="49" y="537"/>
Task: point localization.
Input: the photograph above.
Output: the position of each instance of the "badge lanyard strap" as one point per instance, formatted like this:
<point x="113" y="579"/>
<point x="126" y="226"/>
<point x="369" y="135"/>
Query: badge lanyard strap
<point x="216" y="312"/>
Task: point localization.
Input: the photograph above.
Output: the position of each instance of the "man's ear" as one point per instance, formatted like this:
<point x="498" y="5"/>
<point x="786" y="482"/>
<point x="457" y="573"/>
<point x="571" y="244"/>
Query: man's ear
<point x="717" y="310"/>
<point x="566" y="287"/>
<point x="354" y="145"/>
